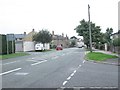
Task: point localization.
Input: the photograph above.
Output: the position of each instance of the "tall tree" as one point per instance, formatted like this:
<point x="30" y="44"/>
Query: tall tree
<point x="43" y="37"/>
<point x="83" y="30"/>
<point x="108" y="34"/>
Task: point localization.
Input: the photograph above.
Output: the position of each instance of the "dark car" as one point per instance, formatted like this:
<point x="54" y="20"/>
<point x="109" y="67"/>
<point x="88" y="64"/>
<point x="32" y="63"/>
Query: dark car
<point x="59" y="47"/>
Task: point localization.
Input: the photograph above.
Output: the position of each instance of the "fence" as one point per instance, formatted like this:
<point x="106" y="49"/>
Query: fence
<point x="7" y="44"/>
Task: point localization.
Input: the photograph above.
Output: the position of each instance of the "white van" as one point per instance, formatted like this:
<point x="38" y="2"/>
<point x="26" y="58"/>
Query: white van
<point x="39" y="46"/>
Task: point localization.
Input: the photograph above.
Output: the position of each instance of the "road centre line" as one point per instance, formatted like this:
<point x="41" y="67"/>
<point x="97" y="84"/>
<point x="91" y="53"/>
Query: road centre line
<point x="65" y="82"/>
<point x="71" y="75"/>
<point x="10" y="71"/>
<point x="69" y="78"/>
<point x="38" y="63"/>
<point x="74" y="71"/>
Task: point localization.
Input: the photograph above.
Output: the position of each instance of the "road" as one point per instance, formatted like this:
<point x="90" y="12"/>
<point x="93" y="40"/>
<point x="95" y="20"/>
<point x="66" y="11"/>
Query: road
<point x="55" y="69"/>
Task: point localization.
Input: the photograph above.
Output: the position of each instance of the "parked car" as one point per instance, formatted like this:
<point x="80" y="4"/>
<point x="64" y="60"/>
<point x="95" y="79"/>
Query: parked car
<point x="59" y="47"/>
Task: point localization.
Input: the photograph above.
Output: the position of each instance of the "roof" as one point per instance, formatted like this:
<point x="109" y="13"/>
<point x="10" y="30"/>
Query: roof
<point x="29" y="36"/>
<point x="19" y="35"/>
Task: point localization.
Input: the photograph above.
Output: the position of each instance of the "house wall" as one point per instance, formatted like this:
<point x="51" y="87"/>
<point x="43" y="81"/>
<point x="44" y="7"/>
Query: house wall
<point x="28" y="46"/>
<point x="47" y="46"/>
<point x="65" y="43"/>
<point x="19" y="46"/>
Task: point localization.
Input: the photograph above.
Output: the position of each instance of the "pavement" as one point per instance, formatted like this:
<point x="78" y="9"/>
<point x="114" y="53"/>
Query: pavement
<point x="115" y="61"/>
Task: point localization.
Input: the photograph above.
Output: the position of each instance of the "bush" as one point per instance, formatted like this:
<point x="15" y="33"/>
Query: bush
<point x="116" y="42"/>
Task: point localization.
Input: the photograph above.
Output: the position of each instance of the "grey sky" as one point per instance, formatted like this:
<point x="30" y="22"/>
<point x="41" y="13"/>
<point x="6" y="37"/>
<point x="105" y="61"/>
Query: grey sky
<point x="62" y="16"/>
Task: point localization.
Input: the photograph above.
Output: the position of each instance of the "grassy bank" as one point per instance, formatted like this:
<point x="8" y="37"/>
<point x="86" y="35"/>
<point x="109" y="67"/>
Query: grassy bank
<point x="97" y="56"/>
<point x="13" y="55"/>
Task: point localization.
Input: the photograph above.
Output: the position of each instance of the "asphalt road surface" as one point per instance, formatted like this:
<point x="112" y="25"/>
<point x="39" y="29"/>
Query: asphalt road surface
<point x="55" y="69"/>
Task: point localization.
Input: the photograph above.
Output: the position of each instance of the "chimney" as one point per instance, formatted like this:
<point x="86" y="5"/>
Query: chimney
<point x="62" y="34"/>
<point x="66" y="35"/>
<point x="52" y="32"/>
<point x="33" y="29"/>
<point x="24" y="33"/>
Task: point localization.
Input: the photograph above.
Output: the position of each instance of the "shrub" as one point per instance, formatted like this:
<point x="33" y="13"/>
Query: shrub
<point x="116" y="42"/>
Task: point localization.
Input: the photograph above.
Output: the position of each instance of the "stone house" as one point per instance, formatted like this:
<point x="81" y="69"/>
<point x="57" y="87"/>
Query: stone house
<point x="28" y="43"/>
<point x="60" y="40"/>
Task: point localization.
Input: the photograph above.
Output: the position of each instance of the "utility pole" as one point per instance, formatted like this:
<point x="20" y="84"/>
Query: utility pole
<point x="89" y="28"/>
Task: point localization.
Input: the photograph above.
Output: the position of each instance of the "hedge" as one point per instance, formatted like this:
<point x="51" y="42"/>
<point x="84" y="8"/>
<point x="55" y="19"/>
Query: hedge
<point x="3" y="44"/>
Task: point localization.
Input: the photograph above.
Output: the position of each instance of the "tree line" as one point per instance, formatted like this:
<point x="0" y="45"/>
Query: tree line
<point x="98" y="38"/>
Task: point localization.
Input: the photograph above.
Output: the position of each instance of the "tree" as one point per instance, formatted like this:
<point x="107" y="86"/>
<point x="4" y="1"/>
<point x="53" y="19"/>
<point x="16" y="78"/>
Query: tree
<point x="83" y="30"/>
<point x="43" y="37"/>
<point x="108" y="34"/>
<point x="73" y="43"/>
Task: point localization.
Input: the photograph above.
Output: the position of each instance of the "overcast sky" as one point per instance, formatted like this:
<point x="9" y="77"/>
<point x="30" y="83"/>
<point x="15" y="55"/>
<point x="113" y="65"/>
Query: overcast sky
<point x="62" y="16"/>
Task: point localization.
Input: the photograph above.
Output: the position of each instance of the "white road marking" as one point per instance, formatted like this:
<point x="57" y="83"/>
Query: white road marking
<point x="75" y="71"/>
<point x="72" y="74"/>
<point x="69" y="78"/>
<point x="38" y="63"/>
<point x="32" y="60"/>
<point x="65" y="82"/>
<point x="10" y="62"/>
<point x="80" y="65"/>
<point x="20" y="73"/>
<point x="84" y="61"/>
<point x="10" y="71"/>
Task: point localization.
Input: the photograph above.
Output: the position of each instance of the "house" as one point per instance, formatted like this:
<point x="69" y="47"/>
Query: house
<point x="60" y="40"/>
<point x="28" y="43"/>
<point x="115" y="35"/>
<point x="19" y="42"/>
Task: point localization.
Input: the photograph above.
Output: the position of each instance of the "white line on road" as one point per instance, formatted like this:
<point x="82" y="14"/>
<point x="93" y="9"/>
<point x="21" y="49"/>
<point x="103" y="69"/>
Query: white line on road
<point x="32" y="60"/>
<point x="21" y="73"/>
<point x="65" y="82"/>
<point x="10" y="62"/>
<point x="72" y="74"/>
<point x="69" y="78"/>
<point x="75" y="71"/>
<point x="79" y="65"/>
<point x="38" y="63"/>
<point x="84" y="61"/>
<point x="10" y="71"/>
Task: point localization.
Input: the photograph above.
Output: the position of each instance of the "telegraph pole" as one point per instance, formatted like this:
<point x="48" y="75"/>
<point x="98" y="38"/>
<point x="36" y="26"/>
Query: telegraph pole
<point x="89" y="28"/>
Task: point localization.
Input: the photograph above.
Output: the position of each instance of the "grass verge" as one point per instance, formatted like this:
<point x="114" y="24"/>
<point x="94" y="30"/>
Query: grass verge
<point x="13" y="55"/>
<point x="97" y="56"/>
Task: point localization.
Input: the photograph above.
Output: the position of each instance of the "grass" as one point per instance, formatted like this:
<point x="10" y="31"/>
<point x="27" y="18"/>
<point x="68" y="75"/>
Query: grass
<point x="97" y="56"/>
<point x="13" y="55"/>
